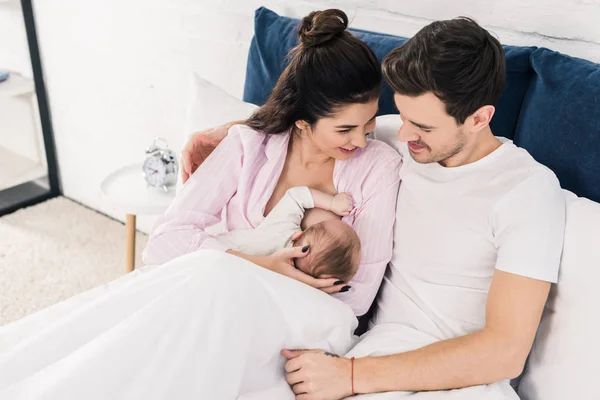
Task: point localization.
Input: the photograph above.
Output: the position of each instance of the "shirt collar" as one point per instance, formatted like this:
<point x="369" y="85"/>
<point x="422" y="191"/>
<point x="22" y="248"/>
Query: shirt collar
<point x="277" y="144"/>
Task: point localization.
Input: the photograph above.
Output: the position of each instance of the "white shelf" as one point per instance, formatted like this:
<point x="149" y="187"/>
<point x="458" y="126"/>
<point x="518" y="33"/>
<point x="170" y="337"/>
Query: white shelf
<point x="15" y="85"/>
<point x="16" y="169"/>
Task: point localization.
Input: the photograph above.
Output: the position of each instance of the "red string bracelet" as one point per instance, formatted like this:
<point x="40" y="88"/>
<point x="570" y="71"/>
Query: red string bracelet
<point x="352" y="376"/>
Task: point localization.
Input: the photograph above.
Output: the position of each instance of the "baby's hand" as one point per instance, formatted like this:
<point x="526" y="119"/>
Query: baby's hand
<point x="342" y="204"/>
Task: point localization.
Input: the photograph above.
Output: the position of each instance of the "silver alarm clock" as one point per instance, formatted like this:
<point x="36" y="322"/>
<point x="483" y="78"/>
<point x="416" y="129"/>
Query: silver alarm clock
<point x="160" y="167"/>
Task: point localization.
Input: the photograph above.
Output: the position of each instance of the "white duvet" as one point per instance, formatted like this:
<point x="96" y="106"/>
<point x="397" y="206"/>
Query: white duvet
<point x="204" y="326"/>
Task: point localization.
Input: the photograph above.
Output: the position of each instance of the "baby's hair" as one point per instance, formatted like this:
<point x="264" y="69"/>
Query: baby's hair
<point x="342" y="257"/>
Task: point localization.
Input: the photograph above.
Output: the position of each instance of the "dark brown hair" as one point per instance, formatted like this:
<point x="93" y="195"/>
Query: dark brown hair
<point x="457" y="60"/>
<point x="328" y="69"/>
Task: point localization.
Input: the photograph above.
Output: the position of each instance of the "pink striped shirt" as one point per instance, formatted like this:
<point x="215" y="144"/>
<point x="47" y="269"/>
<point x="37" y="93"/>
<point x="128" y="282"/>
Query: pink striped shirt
<point x="237" y="181"/>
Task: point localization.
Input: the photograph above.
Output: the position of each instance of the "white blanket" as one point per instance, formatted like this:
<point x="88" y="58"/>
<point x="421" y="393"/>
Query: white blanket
<point x="392" y="339"/>
<point x="204" y="326"/>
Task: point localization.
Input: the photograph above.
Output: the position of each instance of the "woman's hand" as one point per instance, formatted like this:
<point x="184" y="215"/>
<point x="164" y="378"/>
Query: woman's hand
<point x="199" y="147"/>
<point x="282" y="262"/>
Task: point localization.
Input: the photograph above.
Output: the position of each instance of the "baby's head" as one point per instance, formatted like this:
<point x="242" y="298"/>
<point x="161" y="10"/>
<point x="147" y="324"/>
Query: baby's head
<point x="334" y="250"/>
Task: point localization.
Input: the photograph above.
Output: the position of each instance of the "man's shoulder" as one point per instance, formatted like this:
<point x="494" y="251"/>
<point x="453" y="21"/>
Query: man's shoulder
<point x="524" y="177"/>
<point x="532" y="208"/>
<point x="519" y="167"/>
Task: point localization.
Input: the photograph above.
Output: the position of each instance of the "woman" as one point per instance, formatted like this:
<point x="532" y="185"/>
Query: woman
<point x="209" y="325"/>
<point x="311" y="132"/>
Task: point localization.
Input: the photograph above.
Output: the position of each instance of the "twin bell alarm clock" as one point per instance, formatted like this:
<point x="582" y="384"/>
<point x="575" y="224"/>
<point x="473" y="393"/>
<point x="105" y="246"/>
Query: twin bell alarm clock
<point x="160" y="167"/>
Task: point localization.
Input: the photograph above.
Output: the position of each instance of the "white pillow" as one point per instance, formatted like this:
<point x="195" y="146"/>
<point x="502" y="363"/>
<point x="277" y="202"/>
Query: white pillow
<point x="386" y="130"/>
<point x="563" y="362"/>
<point x="211" y="106"/>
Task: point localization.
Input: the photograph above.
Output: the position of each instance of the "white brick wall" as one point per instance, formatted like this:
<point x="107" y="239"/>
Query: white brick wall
<point x="117" y="70"/>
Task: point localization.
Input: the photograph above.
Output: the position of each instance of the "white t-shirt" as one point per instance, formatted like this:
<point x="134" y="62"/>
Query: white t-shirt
<point x="276" y="230"/>
<point x="455" y="226"/>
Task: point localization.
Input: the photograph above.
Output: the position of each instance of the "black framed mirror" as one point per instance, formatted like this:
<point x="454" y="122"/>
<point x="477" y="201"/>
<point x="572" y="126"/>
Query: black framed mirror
<point x="28" y="165"/>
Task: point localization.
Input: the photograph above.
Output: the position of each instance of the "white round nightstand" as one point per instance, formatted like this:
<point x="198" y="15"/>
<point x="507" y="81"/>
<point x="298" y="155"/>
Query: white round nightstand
<point x="126" y="190"/>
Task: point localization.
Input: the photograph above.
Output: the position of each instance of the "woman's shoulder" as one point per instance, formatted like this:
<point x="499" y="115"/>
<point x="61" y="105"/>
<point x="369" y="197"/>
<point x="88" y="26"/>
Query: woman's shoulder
<point x="256" y="145"/>
<point x="377" y="153"/>
<point x="377" y="164"/>
<point x="244" y="133"/>
<point x="249" y="135"/>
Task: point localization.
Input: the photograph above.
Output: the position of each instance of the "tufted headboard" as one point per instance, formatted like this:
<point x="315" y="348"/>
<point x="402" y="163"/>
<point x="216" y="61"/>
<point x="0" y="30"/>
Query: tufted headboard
<point x="551" y="105"/>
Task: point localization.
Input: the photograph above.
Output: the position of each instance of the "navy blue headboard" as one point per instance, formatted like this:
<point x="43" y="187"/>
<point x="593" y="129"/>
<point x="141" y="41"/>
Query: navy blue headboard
<point x="551" y="105"/>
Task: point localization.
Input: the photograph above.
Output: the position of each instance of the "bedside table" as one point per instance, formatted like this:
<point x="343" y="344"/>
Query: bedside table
<point x="126" y="190"/>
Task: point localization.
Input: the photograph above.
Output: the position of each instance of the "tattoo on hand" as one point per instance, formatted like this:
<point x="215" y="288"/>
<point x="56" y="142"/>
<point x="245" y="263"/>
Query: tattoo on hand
<point x="331" y="355"/>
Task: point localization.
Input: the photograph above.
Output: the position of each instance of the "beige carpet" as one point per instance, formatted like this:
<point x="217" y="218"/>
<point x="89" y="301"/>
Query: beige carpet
<point x="54" y="250"/>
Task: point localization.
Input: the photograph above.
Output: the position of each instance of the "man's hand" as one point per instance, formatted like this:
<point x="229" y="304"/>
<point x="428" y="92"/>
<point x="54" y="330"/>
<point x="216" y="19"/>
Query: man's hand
<point x="318" y="375"/>
<point x="199" y="147"/>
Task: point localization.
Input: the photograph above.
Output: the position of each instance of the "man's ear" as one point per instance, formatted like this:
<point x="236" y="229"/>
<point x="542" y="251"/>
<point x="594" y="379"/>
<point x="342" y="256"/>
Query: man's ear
<point x="482" y="118"/>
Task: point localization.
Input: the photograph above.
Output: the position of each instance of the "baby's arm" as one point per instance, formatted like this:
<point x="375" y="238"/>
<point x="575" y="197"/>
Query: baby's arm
<point x="341" y="203"/>
<point x="291" y="207"/>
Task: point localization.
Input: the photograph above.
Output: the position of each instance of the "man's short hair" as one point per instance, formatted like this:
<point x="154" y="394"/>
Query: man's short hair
<point x="457" y="60"/>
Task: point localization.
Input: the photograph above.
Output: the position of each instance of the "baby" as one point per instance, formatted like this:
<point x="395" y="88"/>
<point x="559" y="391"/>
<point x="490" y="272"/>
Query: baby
<point x="334" y="246"/>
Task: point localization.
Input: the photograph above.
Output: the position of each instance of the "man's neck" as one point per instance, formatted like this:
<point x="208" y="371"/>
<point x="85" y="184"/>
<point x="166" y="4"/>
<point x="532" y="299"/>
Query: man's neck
<point x="485" y="143"/>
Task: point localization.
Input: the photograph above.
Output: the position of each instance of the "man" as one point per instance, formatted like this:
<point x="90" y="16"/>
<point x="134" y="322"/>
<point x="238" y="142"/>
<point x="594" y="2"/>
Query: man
<point x="478" y="235"/>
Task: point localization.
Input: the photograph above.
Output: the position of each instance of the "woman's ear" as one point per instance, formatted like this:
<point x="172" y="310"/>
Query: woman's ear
<point x="302" y="125"/>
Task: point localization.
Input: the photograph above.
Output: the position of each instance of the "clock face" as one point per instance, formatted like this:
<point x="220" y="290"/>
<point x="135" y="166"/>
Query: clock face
<point x="155" y="171"/>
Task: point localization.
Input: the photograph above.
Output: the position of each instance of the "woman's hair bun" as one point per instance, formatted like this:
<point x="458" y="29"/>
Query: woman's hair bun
<point x="319" y="27"/>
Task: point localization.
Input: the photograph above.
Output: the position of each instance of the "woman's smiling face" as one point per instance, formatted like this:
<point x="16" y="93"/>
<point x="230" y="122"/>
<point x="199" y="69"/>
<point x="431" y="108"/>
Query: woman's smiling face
<point x="339" y="135"/>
